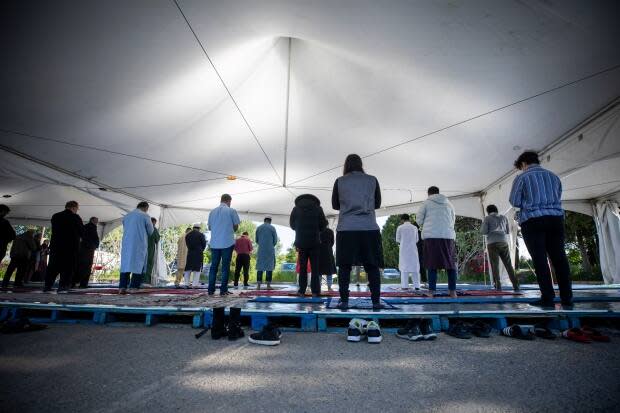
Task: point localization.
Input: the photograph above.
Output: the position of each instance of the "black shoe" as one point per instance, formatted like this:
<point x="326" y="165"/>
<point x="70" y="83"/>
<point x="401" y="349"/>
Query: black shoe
<point x="426" y="327"/>
<point x="480" y="329"/>
<point x="411" y="331"/>
<point x="234" y="324"/>
<point x="268" y="336"/>
<point x="545" y="305"/>
<point x="218" y="327"/>
<point x="543" y="331"/>
<point x="459" y="330"/>
<point x="343" y="305"/>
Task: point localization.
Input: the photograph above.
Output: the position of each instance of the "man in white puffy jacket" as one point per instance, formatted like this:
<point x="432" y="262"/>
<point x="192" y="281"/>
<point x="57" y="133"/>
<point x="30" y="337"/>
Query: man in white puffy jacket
<point x="437" y="217"/>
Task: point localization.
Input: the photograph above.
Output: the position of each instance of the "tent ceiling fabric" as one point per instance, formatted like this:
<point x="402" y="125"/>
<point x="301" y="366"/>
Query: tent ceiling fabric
<point x="121" y="94"/>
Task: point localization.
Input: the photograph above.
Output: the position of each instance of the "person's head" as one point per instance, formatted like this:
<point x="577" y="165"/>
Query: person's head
<point x="245" y="234"/>
<point x="433" y="190"/>
<point x="153" y="221"/>
<point x="143" y="206"/>
<point x="404" y="218"/>
<point x="4" y="210"/>
<point x="72" y="206"/>
<point x="267" y="220"/>
<point x="94" y="220"/>
<point x="196" y="227"/>
<point x="188" y="230"/>
<point x="492" y="209"/>
<point x="46" y="242"/>
<point x="226" y="199"/>
<point x="352" y="163"/>
<point x="526" y="159"/>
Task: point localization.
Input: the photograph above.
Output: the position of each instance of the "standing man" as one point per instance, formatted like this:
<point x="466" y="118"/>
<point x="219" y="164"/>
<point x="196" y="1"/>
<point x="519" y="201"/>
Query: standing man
<point x="7" y="233"/>
<point x="22" y="250"/>
<point x="90" y="242"/>
<point x="67" y="229"/>
<point x="223" y="222"/>
<point x="408" y="262"/>
<point x="437" y="218"/>
<point x="495" y="227"/>
<point x="243" y="248"/>
<point x="152" y="249"/>
<point x="266" y="239"/>
<point x="537" y="193"/>
<point x="181" y="258"/>
<point x="196" y="244"/>
<point x="137" y="227"/>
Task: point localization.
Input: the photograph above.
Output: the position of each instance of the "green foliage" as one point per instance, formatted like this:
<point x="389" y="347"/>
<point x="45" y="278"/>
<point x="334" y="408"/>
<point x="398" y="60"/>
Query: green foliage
<point x="581" y="242"/>
<point x="469" y="242"/>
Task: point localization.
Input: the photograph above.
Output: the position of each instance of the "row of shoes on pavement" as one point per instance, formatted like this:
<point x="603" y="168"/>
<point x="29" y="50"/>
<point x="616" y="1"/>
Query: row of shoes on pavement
<point x="415" y="330"/>
<point x="529" y="332"/>
<point x="269" y="335"/>
<point x="465" y="330"/>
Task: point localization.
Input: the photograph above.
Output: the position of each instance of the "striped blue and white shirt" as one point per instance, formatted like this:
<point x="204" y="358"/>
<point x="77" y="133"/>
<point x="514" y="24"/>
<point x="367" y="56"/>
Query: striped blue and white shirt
<point x="536" y="192"/>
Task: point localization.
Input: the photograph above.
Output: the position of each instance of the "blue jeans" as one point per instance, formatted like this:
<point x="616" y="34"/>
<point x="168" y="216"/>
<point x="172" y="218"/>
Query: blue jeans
<point x="136" y="280"/>
<point x="225" y="255"/>
<point x="432" y="279"/>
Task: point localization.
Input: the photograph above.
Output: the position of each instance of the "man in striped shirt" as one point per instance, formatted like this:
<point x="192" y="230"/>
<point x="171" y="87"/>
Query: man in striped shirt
<point x="537" y="194"/>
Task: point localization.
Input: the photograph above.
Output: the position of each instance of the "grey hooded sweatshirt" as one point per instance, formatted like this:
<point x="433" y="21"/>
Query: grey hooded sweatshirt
<point x="437" y="217"/>
<point x="496" y="228"/>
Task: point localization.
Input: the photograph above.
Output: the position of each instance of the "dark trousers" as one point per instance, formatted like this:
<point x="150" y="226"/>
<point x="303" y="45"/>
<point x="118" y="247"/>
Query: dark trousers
<point x="19" y="264"/>
<point x="259" y="276"/>
<point x="65" y="265"/>
<point x="497" y="251"/>
<point x="85" y="266"/>
<point x="311" y="254"/>
<point x="3" y="247"/>
<point x="374" y="281"/>
<point x="544" y="237"/>
<point x="242" y="262"/>
<point x="420" y="247"/>
<point x="432" y="279"/>
<point x="136" y="280"/>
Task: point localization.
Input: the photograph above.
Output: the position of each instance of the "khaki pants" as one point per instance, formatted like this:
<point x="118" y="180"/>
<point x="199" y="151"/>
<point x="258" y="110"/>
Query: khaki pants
<point x="499" y="250"/>
<point x="178" y="277"/>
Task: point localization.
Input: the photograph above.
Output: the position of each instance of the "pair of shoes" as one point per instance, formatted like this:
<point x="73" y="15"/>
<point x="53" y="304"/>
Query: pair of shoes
<point x="269" y="335"/>
<point x="480" y="329"/>
<point x="417" y="330"/>
<point x="522" y="332"/>
<point x="359" y="328"/>
<point x="220" y="328"/>
<point x="459" y="330"/>
<point x="545" y="305"/>
<point x="542" y="331"/>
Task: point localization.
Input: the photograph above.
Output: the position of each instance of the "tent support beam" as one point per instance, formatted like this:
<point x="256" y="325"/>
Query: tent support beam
<point x="288" y="105"/>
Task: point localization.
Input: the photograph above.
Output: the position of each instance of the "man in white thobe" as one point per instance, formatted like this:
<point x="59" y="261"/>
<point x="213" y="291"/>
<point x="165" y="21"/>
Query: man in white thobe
<point x="408" y="261"/>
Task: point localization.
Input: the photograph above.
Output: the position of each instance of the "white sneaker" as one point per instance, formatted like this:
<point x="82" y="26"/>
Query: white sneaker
<point x="356" y="330"/>
<point x="373" y="332"/>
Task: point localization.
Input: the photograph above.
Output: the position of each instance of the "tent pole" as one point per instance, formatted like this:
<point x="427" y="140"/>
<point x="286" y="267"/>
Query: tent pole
<point x="288" y="103"/>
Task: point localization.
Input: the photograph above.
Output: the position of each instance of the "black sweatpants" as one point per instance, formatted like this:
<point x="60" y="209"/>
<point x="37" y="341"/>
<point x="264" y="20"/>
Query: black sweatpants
<point x="313" y="255"/>
<point x="544" y="236"/>
<point x="19" y="264"/>
<point x="374" y="281"/>
<point x="242" y="262"/>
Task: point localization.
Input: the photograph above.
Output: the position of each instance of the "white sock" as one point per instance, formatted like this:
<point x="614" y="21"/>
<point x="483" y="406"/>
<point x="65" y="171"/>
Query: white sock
<point x="196" y="278"/>
<point x="186" y="277"/>
<point x="415" y="276"/>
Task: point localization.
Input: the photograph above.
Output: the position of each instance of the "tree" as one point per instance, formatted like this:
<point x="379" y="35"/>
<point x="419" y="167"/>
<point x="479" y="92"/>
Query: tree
<point x="581" y="240"/>
<point x="469" y="243"/>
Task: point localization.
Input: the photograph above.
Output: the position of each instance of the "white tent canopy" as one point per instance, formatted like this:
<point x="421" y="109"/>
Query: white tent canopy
<point x="109" y="103"/>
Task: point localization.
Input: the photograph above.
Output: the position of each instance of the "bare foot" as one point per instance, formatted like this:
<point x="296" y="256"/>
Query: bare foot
<point x="452" y="294"/>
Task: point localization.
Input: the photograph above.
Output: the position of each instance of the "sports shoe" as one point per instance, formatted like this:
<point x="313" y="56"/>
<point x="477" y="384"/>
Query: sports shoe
<point x="411" y="331"/>
<point x="480" y="329"/>
<point x="595" y="335"/>
<point x="426" y="327"/>
<point x="576" y="334"/>
<point x="373" y="332"/>
<point x="268" y="336"/>
<point x="543" y="331"/>
<point x="357" y="329"/>
<point x="459" y="330"/>
<point x="520" y="332"/>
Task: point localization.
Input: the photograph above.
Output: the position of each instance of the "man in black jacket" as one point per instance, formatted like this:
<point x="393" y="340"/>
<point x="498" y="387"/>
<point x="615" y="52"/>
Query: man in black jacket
<point x="7" y="233"/>
<point x="67" y="229"/>
<point x="21" y="253"/>
<point x="308" y="220"/>
<point x="90" y="242"/>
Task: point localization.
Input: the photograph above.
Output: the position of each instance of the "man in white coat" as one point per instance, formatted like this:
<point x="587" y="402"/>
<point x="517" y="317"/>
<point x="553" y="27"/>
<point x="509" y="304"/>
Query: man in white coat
<point x="408" y="261"/>
<point x="137" y="227"/>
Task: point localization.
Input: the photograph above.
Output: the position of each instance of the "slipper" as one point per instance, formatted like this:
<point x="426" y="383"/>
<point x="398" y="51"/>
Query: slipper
<point x="515" y="331"/>
<point x="595" y="335"/>
<point x="576" y="334"/>
<point x="543" y="331"/>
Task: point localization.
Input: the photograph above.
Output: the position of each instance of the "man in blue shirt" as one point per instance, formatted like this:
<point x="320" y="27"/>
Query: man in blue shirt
<point x="223" y="222"/>
<point x="537" y="194"/>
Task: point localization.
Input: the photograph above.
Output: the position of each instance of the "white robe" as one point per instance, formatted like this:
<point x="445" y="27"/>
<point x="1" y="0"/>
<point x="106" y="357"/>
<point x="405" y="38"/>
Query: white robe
<point x="137" y="227"/>
<point x="407" y="237"/>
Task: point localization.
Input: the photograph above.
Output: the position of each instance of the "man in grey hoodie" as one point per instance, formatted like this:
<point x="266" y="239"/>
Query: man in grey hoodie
<point x="437" y="218"/>
<point x="496" y="229"/>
